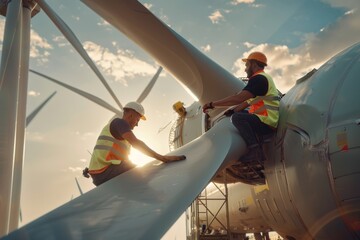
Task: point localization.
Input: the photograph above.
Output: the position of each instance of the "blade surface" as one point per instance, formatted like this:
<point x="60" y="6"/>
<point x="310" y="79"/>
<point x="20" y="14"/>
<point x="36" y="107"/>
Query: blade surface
<point x="144" y="202"/>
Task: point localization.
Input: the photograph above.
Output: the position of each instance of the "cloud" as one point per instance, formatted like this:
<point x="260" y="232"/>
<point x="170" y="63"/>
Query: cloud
<point x="251" y="3"/>
<point x="148" y="5"/>
<point x="121" y="65"/>
<point x="33" y="93"/>
<point x="107" y="26"/>
<point x="236" y="2"/>
<point x="75" y="169"/>
<point x="216" y="16"/>
<point x="286" y="65"/>
<point x="38" y="46"/>
<point x="61" y="41"/>
<point x="206" y="48"/>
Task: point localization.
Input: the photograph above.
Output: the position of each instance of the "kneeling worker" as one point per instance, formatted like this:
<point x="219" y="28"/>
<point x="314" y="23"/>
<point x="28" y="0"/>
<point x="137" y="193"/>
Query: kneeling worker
<point x="110" y="157"/>
<point x="263" y="100"/>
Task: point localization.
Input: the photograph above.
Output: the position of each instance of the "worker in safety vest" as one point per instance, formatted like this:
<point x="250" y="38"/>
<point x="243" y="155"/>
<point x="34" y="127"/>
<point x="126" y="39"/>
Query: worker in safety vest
<point x="110" y="157"/>
<point x="260" y="96"/>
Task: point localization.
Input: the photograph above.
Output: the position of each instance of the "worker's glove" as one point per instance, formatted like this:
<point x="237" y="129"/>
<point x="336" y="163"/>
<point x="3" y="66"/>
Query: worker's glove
<point x="207" y="106"/>
<point x="86" y="173"/>
<point x="229" y="112"/>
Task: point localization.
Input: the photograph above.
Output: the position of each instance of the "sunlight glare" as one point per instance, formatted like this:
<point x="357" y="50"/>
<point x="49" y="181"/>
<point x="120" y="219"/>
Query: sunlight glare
<point x="139" y="158"/>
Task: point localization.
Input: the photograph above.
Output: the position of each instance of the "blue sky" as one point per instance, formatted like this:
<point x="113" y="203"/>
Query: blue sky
<point x="296" y="35"/>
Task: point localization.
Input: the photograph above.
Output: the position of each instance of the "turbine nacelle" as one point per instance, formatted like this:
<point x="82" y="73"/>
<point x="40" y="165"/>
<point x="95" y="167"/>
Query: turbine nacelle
<point x="311" y="163"/>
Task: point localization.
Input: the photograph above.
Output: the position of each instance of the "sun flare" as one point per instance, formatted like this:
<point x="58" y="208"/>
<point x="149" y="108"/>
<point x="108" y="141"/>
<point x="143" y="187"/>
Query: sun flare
<point x="139" y="158"/>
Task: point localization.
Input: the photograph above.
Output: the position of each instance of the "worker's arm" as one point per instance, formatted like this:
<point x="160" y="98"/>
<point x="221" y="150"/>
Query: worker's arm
<point x="241" y="106"/>
<point x="141" y="146"/>
<point x="237" y="99"/>
<point x="238" y="108"/>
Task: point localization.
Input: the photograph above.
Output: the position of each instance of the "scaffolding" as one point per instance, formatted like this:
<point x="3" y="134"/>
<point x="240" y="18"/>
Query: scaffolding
<point x="201" y="217"/>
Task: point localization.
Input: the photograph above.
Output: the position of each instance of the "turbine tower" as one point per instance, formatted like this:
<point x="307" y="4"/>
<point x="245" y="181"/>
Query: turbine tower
<point x="13" y="88"/>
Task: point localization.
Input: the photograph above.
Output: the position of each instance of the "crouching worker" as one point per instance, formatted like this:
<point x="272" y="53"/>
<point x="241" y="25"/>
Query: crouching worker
<point x="110" y="157"/>
<point x="263" y="100"/>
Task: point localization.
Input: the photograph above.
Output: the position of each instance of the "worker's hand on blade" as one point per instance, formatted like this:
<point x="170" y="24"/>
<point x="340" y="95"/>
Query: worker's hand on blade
<point x="207" y="106"/>
<point x="229" y="112"/>
<point x="173" y="158"/>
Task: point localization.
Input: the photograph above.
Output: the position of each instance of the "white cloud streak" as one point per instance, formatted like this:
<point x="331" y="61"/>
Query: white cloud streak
<point x="236" y="2"/>
<point x="251" y="3"/>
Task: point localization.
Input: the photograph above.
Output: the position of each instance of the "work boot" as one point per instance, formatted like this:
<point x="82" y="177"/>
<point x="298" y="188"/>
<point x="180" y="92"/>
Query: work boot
<point x="254" y="154"/>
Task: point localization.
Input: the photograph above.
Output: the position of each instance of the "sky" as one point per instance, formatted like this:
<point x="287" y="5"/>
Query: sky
<point x="296" y="36"/>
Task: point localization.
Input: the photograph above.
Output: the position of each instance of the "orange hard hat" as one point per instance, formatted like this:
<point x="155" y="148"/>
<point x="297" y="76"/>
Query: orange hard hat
<point x="258" y="56"/>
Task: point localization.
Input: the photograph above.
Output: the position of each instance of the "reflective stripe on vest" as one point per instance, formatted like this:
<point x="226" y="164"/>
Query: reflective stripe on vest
<point x="266" y="107"/>
<point x="107" y="151"/>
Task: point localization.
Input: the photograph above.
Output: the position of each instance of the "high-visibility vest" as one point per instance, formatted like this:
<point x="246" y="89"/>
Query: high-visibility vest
<point x="266" y="107"/>
<point x="107" y="151"/>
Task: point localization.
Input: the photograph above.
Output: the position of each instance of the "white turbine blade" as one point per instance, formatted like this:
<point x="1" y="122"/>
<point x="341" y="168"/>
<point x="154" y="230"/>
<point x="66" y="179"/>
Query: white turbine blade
<point x="70" y="36"/>
<point x="148" y="88"/>
<point x="37" y="110"/>
<point x="82" y="93"/>
<point x="12" y="110"/>
<point x="142" y="203"/>
<point x="10" y="39"/>
<point x="78" y="185"/>
<point x="201" y="75"/>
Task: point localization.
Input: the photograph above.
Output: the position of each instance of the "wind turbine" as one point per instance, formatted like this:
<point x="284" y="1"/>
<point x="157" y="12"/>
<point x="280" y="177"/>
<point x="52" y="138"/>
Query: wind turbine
<point x="149" y="214"/>
<point x="316" y="117"/>
<point x="15" y="60"/>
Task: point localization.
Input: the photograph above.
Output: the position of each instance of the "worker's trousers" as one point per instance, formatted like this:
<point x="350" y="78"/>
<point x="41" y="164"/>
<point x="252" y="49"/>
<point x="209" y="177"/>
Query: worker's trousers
<point x="251" y="128"/>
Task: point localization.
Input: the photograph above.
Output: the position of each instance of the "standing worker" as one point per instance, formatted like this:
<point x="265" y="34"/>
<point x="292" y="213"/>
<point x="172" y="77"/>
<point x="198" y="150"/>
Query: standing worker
<point x="262" y="98"/>
<point x="110" y="157"/>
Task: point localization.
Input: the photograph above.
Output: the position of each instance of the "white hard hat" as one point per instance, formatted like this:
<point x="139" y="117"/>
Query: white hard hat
<point x="137" y="107"/>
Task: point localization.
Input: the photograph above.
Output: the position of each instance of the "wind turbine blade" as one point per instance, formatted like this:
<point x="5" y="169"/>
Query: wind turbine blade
<point x="78" y="185"/>
<point x="148" y="88"/>
<point x="9" y="37"/>
<point x="37" y="110"/>
<point x="201" y="75"/>
<point x="143" y="196"/>
<point x="82" y="93"/>
<point x="70" y="36"/>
